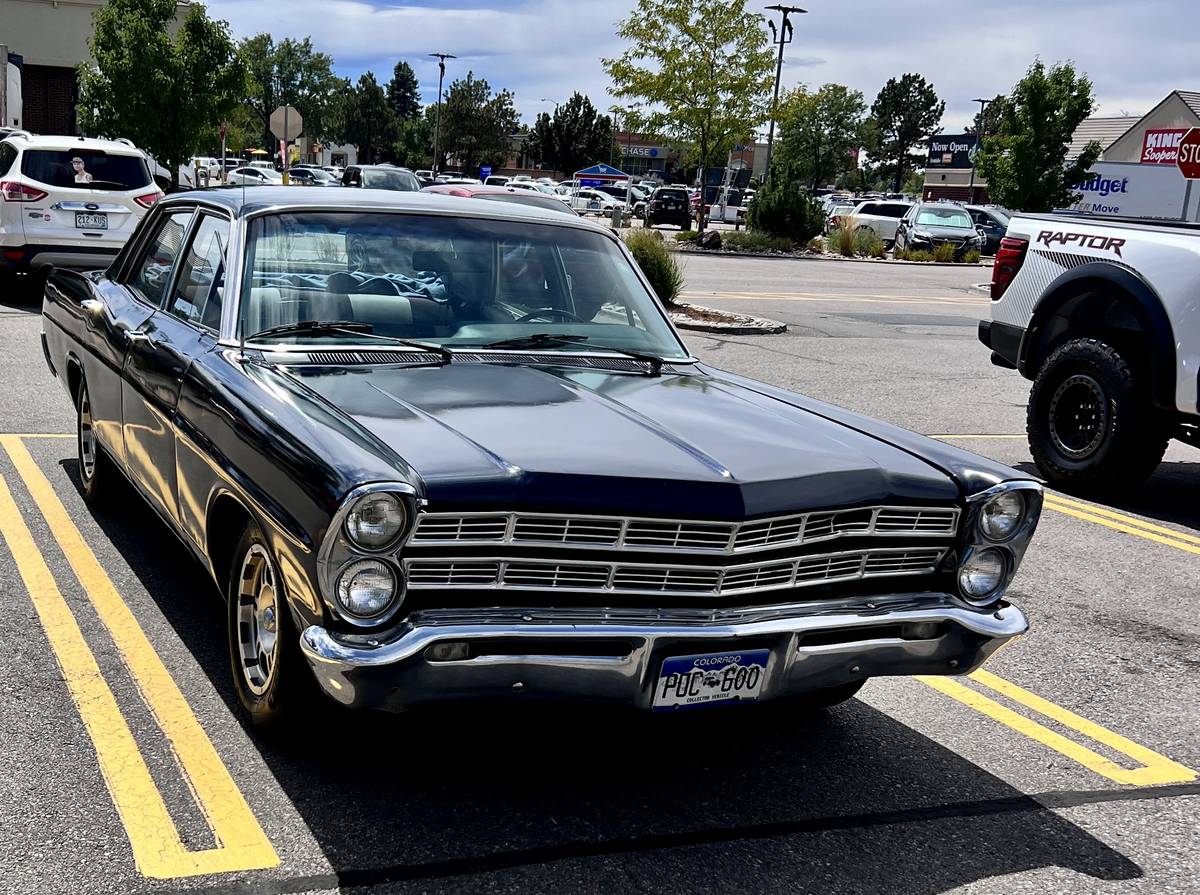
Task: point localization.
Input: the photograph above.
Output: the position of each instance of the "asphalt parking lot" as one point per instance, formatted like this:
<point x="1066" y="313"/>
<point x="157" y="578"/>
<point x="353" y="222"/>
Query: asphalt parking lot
<point x="1069" y="765"/>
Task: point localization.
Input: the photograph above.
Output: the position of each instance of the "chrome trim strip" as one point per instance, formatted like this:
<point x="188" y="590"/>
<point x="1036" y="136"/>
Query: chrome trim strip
<point x="731" y="547"/>
<point x="490" y="573"/>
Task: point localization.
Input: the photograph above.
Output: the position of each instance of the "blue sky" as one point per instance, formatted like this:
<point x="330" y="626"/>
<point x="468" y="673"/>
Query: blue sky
<point x="1135" y="52"/>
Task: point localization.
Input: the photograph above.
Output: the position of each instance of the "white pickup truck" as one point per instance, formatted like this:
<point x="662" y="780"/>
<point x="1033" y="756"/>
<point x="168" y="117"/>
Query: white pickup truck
<point x="1104" y="316"/>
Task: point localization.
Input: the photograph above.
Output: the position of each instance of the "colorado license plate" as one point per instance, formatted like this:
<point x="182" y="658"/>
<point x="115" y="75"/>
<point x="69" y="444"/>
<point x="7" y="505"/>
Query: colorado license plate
<point x="688" y="681"/>
<point x="87" y="220"/>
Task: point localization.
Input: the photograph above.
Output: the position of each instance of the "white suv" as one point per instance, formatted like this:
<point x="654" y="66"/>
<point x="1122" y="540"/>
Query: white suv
<point x="69" y="202"/>
<point x="880" y="215"/>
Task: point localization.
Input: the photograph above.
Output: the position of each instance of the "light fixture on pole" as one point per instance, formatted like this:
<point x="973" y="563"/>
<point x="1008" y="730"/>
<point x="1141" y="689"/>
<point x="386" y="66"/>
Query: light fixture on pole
<point x="556" y="103"/>
<point x="437" y="126"/>
<point x="979" y="143"/>
<point x="782" y="37"/>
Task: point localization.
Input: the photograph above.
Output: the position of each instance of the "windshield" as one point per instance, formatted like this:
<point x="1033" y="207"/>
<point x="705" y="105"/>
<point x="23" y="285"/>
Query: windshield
<point x="85" y="169"/>
<point x="451" y="280"/>
<point x="390" y="180"/>
<point x="932" y="216"/>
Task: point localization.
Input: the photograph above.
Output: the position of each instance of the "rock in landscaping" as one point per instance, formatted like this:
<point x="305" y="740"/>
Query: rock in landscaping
<point x="710" y="239"/>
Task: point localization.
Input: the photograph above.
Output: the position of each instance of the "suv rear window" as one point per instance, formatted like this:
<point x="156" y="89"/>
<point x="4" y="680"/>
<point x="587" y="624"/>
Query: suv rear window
<point x="85" y="168"/>
<point x="671" y="194"/>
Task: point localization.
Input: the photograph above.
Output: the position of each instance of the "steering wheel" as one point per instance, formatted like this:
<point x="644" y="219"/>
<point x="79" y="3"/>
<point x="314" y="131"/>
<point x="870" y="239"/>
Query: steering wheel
<point x="550" y="312"/>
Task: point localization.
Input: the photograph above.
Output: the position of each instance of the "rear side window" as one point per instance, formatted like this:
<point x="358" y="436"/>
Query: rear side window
<point x="85" y="169"/>
<point x="200" y="287"/>
<point x="893" y="211"/>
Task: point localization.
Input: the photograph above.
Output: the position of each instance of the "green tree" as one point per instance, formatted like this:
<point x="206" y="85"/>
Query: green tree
<point x="915" y="185"/>
<point x="575" y="137"/>
<point x="820" y="132"/>
<point x="365" y="119"/>
<point x="403" y="92"/>
<point x="989" y="121"/>
<point x="905" y="113"/>
<point x="290" y="73"/>
<point x="413" y="147"/>
<point x="1025" y="158"/>
<point x="165" y="93"/>
<point x="477" y="126"/>
<point x="702" y="71"/>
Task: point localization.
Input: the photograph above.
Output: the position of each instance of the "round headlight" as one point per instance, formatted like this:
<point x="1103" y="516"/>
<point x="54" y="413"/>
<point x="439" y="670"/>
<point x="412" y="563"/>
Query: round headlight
<point x="1000" y="516"/>
<point x="982" y="574"/>
<point x="366" y="588"/>
<point x="376" y="520"/>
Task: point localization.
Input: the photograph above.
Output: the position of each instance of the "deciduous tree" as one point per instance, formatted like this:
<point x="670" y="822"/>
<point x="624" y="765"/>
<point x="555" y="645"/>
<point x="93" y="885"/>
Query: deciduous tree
<point x="820" y="132"/>
<point x="702" y="71"/>
<point x="163" y="92"/>
<point x="477" y="126"/>
<point x="905" y="113"/>
<point x="575" y="137"/>
<point x="290" y="73"/>
<point x="1025" y="158"/>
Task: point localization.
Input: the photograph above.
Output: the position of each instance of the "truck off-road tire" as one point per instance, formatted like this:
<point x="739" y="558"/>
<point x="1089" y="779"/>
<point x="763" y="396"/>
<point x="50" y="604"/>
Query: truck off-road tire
<point x="269" y="673"/>
<point x="1090" y="422"/>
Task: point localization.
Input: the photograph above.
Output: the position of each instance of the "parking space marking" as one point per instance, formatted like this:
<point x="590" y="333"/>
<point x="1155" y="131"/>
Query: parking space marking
<point x="973" y="435"/>
<point x="1154" y="768"/>
<point x="851" y="297"/>
<point x="1123" y="523"/>
<point x="241" y="843"/>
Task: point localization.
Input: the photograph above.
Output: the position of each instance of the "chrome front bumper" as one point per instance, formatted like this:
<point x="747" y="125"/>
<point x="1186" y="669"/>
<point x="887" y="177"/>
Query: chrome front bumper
<point x="614" y="656"/>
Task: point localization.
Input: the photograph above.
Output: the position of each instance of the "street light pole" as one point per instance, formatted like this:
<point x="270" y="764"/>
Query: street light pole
<point x="437" y="126"/>
<point x="979" y="138"/>
<point x="782" y="37"/>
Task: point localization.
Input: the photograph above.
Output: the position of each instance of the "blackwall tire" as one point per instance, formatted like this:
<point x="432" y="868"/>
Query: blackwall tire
<point x="1090" y="421"/>
<point x="96" y="472"/>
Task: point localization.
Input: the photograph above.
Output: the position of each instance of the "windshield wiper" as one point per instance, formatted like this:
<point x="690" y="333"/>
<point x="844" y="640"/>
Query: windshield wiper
<point x="350" y="327"/>
<point x="539" y="339"/>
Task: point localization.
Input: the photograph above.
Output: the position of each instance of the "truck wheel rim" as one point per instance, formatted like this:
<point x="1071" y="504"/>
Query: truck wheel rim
<point x="1078" y="416"/>
<point x="87" y="438"/>
<point x="258" y="620"/>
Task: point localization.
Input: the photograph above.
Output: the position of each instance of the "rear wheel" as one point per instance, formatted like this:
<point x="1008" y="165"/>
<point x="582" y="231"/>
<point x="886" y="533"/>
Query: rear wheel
<point x="95" y="468"/>
<point x="1090" y="420"/>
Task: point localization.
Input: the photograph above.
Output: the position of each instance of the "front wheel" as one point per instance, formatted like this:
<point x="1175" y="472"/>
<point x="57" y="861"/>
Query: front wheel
<point x="1090" y="420"/>
<point x="264" y="650"/>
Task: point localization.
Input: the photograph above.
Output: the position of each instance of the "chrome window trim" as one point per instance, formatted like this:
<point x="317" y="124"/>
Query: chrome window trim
<point x="730" y="548"/>
<point x="722" y="572"/>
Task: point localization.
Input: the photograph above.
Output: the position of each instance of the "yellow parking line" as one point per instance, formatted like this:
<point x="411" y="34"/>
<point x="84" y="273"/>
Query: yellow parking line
<point x="974" y="435"/>
<point x="1155" y="769"/>
<point x="1122" y="517"/>
<point x="1127" y="525"/>
<point x="37" y="435"/>
<point x="241" y="842"/>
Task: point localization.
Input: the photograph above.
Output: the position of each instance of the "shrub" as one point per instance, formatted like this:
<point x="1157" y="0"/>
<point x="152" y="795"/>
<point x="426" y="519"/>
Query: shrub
<point x="843" y="237"/>
<point x="817" y="245"/>
<point x="913" y="255"/>
<point x="686" y="235"/>
<point x="972" y="257"/>
<point x="752" y="241"/>
<point x="656" y="262"/>
<point x="868" y="244"/>
<point x="780" y="208"/>
<point x="945" y="253"/>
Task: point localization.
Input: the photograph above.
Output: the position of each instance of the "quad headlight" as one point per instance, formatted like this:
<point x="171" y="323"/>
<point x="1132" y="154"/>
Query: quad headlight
<point x="982" y="573"/>
<point x="367" y="588"/>
<point x="1000" y="516"/>
<point x="376" y="520"/>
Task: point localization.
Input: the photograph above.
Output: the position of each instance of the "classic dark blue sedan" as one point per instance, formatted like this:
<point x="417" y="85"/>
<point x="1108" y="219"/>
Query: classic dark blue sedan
<point x="433" y="448"/>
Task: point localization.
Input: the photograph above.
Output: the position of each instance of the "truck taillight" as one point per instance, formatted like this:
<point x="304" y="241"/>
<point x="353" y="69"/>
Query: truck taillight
<point x="147" y="199"/>
<point x="12" y="191"/>
<point x="1009" y="259"/>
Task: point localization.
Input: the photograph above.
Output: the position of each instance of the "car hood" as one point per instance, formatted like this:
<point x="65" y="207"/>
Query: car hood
<point x="946" y="232"/>
<point x="550" y="438"/>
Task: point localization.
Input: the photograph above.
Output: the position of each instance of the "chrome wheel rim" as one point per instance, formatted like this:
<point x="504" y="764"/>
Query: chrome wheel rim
<point x="87" y="437"/>
<point x="258" y="620"/>
<point x="1078" y="416"/>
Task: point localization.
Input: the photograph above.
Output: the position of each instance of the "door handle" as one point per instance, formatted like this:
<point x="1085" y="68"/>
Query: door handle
<point x="135" y="335"/>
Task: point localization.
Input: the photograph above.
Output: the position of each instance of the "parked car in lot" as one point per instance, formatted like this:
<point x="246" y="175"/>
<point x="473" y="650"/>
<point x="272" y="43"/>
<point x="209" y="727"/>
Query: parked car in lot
<point x="255" y="176"/>
<point x="532" y="198"/>
<point x="312" y="176"/>
<point x="69" y="202"/>
<point x="669" y="205"/>
<point x="486" y="467"/>
<point x="836" y="212"/>
<point x="881" y="217"/>
<point x="592" y="201"/>
<point x="381" y="177"/>
<point x="496" y="180"/>
<point x="928" y="225"/>
<point x="1101" y="315"/>
<point x="209" y="166"/>
<point x="992" y="222"/>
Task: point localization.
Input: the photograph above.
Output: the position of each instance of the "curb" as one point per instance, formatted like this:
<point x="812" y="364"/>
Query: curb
<point x="826" y="259"/>
<point x="738" y="325"/>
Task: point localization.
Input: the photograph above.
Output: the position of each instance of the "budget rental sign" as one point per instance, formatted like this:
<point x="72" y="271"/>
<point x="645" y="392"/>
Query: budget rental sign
<point x="1161" y="147"/>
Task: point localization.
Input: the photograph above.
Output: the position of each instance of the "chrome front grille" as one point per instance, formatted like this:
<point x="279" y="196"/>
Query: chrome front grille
<point x="682" y="580"/>
<point x="679" y="535"/>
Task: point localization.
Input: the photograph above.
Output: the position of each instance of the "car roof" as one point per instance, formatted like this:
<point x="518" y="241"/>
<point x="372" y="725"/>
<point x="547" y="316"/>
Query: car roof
<point x="241" y="203"/>
<point x="42" y="141"/>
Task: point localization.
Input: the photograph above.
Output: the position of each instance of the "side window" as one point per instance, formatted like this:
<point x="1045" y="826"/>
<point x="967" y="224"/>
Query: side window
<point x="8" y="155"/>
<point x="200" y="286"/>
<point x="152" y="270"/>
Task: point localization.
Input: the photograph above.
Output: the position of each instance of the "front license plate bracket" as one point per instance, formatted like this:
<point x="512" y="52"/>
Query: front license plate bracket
<point x="694" y="681"/>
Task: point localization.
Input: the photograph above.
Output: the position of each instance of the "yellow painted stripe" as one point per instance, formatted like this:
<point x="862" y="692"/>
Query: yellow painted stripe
<point x="1122" y="517"/>
<point x="1124" y="527"/>
<point x="152" y="835"/>
<point x="975" y="435"/>
<point x="800" y="297"/>
<point x="241" y="842"/>
<point x="37" y="435"/>
<point x="1155" y="769"/>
